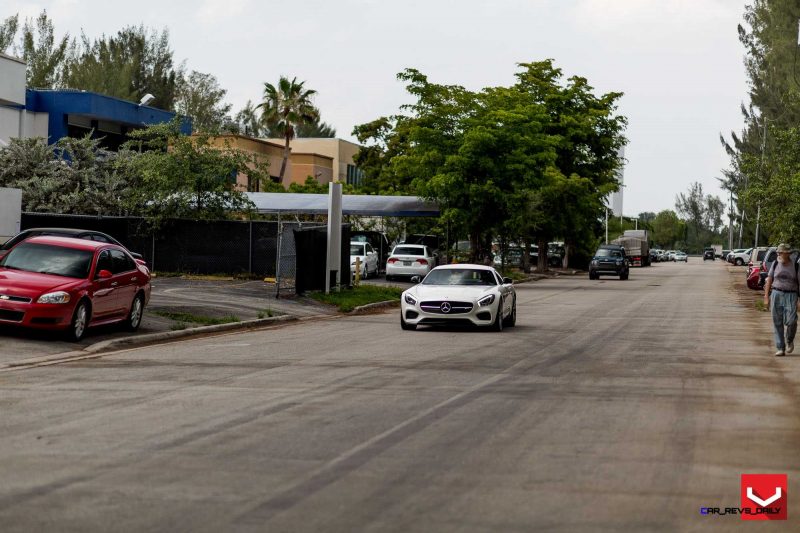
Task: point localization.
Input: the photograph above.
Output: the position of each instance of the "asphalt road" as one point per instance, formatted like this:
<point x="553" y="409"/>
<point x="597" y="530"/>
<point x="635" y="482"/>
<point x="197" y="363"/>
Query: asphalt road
<point x="612" y="406"/>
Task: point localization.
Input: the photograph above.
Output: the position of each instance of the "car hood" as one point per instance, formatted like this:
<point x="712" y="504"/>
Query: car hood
<point x="450" y="292"/>
<point x="33" y="284"/>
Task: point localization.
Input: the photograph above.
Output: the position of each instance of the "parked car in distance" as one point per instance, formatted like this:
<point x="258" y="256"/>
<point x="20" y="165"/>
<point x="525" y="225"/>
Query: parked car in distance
<point x="708" y="253"/>
<point x="724" y="255"/>
<point x="512" y="258"/>
<point x="740" y="257"/>
<point x="655" y="255"/>
<point x="431" y="241"/>
<point x="754" y="279"/>
<point x="460" y="294"/>
<point x="86" y="234"/>
<point x="407" y="260"/>
<point x="378" y="240"/>
<point x="680" y="256"/>
<point x="367" y="256"/>
<point x="609" y="260"/>
<point x="757" y="256"/>
<point x="68" y="284"/>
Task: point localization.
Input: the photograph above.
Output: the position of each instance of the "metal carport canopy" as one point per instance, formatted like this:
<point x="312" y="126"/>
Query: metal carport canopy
<point x="352" y="204"/>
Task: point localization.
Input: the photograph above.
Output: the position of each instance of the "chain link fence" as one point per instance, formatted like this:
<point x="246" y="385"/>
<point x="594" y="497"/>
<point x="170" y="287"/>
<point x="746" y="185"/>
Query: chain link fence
<point x="188" y="246"/>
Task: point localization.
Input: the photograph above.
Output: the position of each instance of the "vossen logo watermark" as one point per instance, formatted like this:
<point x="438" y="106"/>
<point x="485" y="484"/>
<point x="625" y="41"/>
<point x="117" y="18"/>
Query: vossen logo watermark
<point x="763" y="497"/>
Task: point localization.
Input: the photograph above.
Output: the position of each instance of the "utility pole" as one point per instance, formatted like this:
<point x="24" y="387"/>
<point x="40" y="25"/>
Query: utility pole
<point x="730" y="222"/>
<point x="606" y="224"/>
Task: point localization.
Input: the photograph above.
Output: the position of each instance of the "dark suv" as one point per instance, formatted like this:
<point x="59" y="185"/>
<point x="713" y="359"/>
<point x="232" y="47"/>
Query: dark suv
<point x="708" y="253"/>
<point x="609" y="260"/>
<point x="89" y="235"/>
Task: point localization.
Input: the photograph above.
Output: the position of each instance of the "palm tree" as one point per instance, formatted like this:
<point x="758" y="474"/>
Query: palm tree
<point x="287" y="107"/>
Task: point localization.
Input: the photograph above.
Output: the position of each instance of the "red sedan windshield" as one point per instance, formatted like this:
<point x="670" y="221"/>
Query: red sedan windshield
<point x="48" y="259"/>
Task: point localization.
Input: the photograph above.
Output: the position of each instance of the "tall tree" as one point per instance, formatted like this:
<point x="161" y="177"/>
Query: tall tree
<point x="769" y="35"/>
<point x="43" y="53"/>
<point x="530" y="161"/>
<point x="128" y="65"/>
<point x="201" y="98"/>
<point x="287" y="106"/>
<point x="8" y="32"/>
<point x="316" y="129"/>
<point x="248" y="121"/>
<point x="692" y="206"/>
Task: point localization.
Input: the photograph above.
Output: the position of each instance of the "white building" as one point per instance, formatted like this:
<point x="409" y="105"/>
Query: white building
<point x="15" y="121"/>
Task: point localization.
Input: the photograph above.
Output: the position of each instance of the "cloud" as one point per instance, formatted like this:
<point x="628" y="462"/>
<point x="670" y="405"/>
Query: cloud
<point x="615" y="14"/>
<point x="212" y="11"/>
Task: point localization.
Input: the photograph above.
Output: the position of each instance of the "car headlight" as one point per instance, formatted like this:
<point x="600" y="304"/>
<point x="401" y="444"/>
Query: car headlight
<point x="59" y="297"/>
<point x="619" y="262"/>
<point x="486" y="300"/>
<point x="594" y="262"/>
<point x="410" y="300"/>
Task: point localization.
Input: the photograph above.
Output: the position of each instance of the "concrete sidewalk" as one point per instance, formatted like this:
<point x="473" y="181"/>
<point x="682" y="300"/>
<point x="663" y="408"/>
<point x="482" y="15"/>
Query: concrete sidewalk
<point x="212" y="298"/>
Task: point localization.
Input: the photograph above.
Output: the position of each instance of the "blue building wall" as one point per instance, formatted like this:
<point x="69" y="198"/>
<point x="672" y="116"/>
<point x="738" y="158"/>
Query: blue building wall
<point x="60" y="104"/>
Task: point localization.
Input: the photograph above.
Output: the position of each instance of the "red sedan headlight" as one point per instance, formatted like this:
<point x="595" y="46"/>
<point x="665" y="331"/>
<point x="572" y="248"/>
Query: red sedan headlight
<point x="58" y="297"/>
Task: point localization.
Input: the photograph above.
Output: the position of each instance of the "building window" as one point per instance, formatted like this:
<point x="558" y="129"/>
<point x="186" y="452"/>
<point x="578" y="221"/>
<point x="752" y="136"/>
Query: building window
<point x="355" y="176"/>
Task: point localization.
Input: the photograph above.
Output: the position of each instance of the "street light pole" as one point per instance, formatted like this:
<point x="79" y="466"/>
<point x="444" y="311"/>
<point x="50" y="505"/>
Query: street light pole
<point x="730" y="222"/>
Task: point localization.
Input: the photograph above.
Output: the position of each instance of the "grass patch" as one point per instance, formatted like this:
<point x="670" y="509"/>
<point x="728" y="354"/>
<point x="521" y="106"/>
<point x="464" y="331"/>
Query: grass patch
<point x="760" y="305"/>
<point x="515" y="275"/>
<point x="182" y="318"/>
<point x="349" y="299"/>
<point x="264" y="313"/>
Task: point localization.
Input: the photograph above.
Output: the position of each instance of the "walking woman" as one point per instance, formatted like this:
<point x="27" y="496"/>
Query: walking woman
<point x="783" y="283"/>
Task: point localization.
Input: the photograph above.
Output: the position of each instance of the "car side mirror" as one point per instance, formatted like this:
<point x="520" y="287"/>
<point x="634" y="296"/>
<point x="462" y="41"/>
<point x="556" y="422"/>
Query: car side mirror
<point x="415" y="279"/>
<point x="104" y="274"/>
<point x="508" y="281"/>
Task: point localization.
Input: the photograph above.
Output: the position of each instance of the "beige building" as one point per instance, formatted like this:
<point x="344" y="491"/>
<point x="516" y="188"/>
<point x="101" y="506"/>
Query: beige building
<point x="325" y="160"/>
<point x="341" y="153"/>
<point x="298" y="167"/>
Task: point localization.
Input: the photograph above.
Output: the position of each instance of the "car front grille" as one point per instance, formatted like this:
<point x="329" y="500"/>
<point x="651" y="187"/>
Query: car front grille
<point x="11" y="316"/>
<point x="446" y="307"/>
<point x="9" y="298"/>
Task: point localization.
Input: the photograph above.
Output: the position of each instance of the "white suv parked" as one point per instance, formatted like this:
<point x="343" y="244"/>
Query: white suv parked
<point x="740" y="256"/>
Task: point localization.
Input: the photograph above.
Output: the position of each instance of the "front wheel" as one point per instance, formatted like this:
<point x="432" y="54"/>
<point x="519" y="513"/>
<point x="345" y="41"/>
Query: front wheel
<point x="79" y="323"/>
<point x="511" y="320"/>
<point x="739" y="261"/>
<point x="406" y="326"/>
<point x="623" y="276"/>
<point x="498" y="321"/>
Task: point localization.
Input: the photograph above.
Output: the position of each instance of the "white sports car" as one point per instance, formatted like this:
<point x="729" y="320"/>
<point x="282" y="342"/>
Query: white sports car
<point x="467" y="294"/>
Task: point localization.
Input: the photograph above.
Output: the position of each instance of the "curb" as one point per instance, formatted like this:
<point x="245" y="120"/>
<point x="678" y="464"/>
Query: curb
<point x="363" y="309"/>
<point x="151" y="338"/>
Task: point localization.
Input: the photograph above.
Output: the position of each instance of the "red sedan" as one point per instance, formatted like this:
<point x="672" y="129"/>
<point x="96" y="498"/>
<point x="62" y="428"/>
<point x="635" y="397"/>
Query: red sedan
<point x="60" y="283"/>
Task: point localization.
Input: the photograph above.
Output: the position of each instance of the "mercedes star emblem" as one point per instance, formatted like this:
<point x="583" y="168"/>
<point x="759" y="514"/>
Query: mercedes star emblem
<point x="446" y="307"/>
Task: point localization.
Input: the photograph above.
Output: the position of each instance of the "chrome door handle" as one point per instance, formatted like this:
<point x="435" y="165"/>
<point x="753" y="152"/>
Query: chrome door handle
<point x="133" y="278"/>
<point x="114" y="283"/>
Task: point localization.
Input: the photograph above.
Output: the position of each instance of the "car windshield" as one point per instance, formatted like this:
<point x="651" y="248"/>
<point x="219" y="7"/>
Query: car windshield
<point x="460" y="276"/>
<point x="606" y="252"/>
<point x="408" y="250"/>
<point x="48" y="259"/>
<point x="356" y="249"/>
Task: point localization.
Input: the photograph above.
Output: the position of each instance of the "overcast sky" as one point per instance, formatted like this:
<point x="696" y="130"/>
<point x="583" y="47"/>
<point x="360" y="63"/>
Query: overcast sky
<point x="679" y="62"/>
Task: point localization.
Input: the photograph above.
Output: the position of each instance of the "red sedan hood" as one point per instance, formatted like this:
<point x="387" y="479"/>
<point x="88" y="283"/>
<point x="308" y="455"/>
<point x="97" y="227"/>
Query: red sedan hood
<point x="32" y="284"/>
